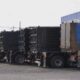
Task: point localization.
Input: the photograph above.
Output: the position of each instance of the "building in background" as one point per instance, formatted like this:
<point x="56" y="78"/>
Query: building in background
<point x="71" y="17"/>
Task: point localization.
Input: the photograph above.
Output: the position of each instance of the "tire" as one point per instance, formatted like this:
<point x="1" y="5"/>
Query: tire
<point x="19" y="59"/>
<point x="57" y="62"/>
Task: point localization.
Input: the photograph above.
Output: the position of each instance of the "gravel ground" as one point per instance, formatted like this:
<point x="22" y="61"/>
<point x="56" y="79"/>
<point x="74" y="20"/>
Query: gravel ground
<point x="26" y="72"/>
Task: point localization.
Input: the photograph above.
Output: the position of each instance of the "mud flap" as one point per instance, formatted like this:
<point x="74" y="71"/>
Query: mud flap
<point x="43" y="59"/>
<point x="78" y="63"/>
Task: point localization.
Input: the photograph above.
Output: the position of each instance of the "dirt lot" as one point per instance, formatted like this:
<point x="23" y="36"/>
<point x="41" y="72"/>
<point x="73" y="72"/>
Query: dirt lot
<point x="26" y="72"/>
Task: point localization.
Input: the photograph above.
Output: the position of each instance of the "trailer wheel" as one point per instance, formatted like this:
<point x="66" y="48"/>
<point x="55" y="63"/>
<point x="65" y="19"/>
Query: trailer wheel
<point x="57" y="62"/>
<point x="19" y="59"/>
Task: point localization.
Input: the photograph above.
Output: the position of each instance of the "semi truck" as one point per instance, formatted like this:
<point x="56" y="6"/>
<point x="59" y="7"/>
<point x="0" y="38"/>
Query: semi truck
<point x="52" y="46"/>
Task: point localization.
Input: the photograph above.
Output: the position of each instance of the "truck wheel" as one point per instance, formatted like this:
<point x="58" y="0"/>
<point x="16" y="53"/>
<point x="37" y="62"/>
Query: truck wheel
<point x="19" y="59"/>
<point x="57" y="62"/>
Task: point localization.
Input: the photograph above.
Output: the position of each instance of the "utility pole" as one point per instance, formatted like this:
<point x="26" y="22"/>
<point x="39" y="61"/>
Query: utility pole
<point x="19" y="25"/>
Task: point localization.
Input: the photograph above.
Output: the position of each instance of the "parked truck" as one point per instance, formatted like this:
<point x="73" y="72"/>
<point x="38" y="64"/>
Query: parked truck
<point x="52" y="46"/>
<point x="56" y="46"/>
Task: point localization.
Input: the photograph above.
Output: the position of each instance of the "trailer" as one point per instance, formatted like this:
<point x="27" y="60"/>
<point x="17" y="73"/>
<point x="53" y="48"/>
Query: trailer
<point x="70" y="41"/>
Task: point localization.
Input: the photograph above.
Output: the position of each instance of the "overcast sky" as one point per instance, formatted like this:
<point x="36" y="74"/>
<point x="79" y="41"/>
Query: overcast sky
<point x="35" y="12"/>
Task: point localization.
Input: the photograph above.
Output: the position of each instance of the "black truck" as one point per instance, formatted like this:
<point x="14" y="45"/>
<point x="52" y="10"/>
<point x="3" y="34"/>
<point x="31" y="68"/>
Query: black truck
<point x="52" y="46"/>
